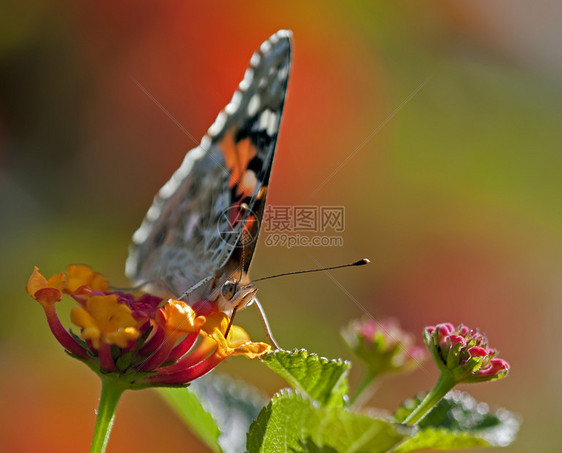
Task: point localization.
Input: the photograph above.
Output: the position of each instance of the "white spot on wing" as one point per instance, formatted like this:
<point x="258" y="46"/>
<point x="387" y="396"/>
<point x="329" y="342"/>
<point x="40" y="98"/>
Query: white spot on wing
<point x="247" y="80"/>
<point x="141" y="234"/>
<point x="168" y="189"/>
<point x="268" y="120"/>
<point x="282" y="73"/>
<point x="271" y="125"/>
<point x="255" y="60"/>
<point x="205" y="143"/>
<point x="254" y="105"/>
<point x="234" y="103"/>
<point x="284" y="33"/>
<point x="248" y="182"/>
<point x="190" y="158"/>
<point x="265" y="47"/>
<point x="153" y="213"/>
<point x="217" y="127"/>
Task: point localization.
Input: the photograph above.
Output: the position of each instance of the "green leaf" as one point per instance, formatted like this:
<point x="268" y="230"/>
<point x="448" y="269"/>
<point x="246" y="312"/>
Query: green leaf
<point x="292" y="422"/>
<point x="441" y="439"/>
<point x="323" y="380"/>
<point x="219" y="409"/>
<point x="192" y="412"/>
<point x="234" y="405"/>
<point x="459" y="421"/>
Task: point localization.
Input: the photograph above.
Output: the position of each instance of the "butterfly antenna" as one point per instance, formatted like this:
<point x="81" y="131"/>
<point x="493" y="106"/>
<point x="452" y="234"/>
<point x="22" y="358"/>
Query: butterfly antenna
<point x="260" y="308"/>
<point x="356" y="263"/>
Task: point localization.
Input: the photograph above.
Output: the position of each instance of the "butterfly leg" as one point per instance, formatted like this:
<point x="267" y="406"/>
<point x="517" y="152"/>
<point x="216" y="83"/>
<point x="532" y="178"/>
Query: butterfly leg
<point x="265" y="323"/>
<point x="194" y="287"/>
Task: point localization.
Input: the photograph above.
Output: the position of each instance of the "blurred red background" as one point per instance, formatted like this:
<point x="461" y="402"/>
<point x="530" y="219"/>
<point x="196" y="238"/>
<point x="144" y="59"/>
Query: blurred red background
<point x="446" y="116"/>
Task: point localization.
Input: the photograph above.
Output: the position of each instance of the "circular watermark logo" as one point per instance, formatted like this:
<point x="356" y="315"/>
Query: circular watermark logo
<point x="238" y="225"/>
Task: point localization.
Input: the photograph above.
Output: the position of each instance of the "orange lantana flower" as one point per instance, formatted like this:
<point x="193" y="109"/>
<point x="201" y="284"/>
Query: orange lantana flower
<point x="46" y="291"/>
<point x="144" y="340"/>
<point x="79" y="275"/>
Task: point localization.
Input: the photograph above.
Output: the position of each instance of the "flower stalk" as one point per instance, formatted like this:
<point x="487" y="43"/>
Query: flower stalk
<point x="111" y="391"/>
<point x="444" y="384"/>
<point x="363" y="390"/>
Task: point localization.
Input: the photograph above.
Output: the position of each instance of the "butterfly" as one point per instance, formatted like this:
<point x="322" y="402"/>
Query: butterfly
<point x="199" y="235"/>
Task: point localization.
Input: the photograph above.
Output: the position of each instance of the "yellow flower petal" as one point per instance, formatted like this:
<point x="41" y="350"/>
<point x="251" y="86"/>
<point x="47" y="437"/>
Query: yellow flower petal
<point x="215" y="327"/>
<point x="180" y="316"/>
<point x="252" y="350"/>
<point x="79" y="275"/>
<point x="45" y="291"/>
<point x="206" y="346"/>
<point x="105" y="319"/>
<point x="237" y="336"/>
<point x="122" y="337"/>
<point x="238" y="342"/>
<point x="90" y="330"/>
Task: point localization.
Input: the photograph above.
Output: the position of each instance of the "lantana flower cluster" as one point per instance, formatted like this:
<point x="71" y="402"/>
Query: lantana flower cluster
<point x="463" y="353"/>
<point x="145" y="340"/>
<point x="383" y="345"/>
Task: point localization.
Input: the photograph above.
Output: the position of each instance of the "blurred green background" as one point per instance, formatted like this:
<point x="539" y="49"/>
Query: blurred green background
<point x="436" y="124"/>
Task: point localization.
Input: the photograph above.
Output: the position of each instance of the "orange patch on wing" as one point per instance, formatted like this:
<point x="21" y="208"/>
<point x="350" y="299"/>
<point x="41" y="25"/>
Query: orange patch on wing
<point x="237" y="156"/>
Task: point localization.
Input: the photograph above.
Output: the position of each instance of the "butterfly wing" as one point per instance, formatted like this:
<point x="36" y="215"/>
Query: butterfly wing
<point x="206" y="217"/>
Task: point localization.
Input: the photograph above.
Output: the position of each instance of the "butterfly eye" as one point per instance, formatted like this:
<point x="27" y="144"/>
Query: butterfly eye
<point x="228" y="289"/>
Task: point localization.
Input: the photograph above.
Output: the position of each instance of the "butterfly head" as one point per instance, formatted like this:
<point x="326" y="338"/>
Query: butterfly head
<point x="232" y="294"/>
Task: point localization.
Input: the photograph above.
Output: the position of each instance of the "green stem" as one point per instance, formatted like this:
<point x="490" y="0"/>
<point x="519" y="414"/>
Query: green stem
<point x="443" y="386"/>
<point x="364" y="384"/>
<point x="111" y="391"/>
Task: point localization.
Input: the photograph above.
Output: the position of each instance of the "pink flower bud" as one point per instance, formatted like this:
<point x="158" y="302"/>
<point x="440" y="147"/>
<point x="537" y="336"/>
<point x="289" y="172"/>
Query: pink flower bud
<point x="463" y="353"/>
<point x="456" y="339"/>
<point x="463" y="330"/>
<point x="477" y="351"/>
<point x="495" y="367"/>
<point x="443" y="331"/>
<point x="383" y="346"/>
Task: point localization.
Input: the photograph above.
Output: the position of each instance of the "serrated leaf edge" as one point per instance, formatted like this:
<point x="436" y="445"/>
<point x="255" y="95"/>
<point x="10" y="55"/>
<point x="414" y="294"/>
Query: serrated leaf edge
<point x="305" y="354"/>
